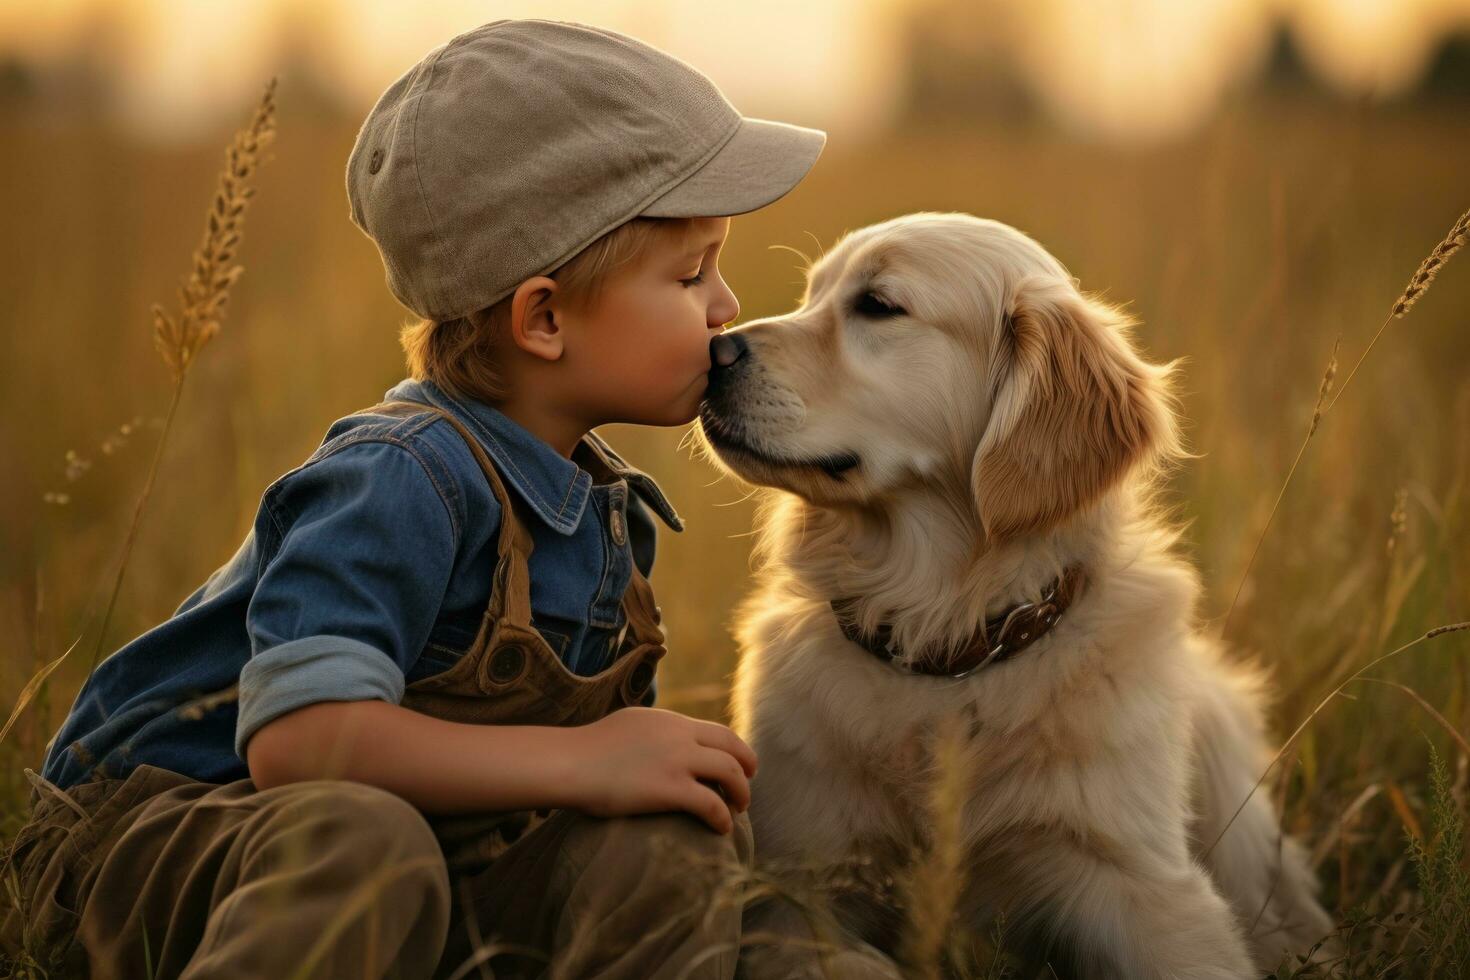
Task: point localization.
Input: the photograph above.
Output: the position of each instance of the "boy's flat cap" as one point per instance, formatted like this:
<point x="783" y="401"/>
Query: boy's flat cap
<point x="511" y="147"/>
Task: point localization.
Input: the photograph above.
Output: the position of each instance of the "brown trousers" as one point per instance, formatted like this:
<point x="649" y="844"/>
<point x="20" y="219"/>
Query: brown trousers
<point x="159" y="875"/>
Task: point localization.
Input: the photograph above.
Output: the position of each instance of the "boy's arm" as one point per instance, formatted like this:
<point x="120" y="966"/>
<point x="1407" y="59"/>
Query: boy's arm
<point x="439" y="766"/>
<point x="358" y="547"/>
<point x="635" y="760"/>
<point x="357" y="550"/>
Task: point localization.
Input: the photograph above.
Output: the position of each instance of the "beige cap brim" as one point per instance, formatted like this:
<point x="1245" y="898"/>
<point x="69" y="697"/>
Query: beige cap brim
<point x="758" y="165"/>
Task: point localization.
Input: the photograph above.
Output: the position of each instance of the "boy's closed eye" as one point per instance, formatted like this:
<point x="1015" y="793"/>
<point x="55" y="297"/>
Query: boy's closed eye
<point x="705" y="255"/>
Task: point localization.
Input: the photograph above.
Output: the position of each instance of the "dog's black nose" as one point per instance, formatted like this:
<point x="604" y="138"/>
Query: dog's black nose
<point x="725" y="349"/>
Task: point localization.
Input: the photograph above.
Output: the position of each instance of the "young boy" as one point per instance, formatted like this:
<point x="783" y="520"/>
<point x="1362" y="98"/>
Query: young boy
<point x="385" y="734"/>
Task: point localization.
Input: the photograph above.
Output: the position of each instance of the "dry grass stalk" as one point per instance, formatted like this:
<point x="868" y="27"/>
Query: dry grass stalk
<point x="1325" y="388"/>
<point x="202" y="300"/>
<point x="480" y="959"/>
<point x="1398" y="519"/>
<point x="32" y="686"/>
<point x="1357" y="675"/>
<point x="1322" y="392"/>
<point x="1418" y="284"/>
<point x="1429" y="709"/>
<point x="1338" y="828"/>
<point x="932" y="887"/>
<point x="1430" y="267"/>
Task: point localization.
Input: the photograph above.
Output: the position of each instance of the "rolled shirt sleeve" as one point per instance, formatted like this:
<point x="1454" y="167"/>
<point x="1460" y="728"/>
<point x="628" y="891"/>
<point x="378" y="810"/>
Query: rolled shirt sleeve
<point x="345" y="602"/>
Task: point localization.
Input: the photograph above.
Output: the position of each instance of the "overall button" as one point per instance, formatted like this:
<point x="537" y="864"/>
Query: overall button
<point x="619" y="534"/>
<point x="507" y="663"/>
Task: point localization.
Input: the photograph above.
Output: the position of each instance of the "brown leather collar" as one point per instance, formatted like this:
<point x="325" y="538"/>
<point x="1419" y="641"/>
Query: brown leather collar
<point x="998" y="638"/>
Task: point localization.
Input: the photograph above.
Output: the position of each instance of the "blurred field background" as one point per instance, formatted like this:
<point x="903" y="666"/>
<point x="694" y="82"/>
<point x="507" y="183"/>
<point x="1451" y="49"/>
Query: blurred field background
<point x="1256" y="180"/>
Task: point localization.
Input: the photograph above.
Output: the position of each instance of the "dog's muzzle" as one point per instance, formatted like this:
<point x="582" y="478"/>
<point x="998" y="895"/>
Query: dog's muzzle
<point x="729" y="357"/>
<point x="730" y="363"/>
<point x="723" y="421"/>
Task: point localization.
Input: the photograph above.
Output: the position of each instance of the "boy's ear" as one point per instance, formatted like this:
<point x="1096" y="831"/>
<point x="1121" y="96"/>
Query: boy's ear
<point x="533" y="322"/>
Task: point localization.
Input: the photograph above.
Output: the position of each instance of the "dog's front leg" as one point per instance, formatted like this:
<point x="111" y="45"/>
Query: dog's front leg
<point x="1152" y="920"/>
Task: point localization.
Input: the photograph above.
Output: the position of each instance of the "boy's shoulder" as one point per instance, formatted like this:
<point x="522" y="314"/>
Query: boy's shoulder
<point x="360" y="447"/>
<point x="451" y="466"/>
<point x="441" y="440"/>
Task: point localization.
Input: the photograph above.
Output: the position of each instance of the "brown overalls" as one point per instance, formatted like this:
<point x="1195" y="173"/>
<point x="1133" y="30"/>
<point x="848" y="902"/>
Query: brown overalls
<point x="159" y="874"/>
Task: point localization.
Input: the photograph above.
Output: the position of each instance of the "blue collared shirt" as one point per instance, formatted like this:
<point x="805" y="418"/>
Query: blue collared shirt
<point x="367" y="568"/>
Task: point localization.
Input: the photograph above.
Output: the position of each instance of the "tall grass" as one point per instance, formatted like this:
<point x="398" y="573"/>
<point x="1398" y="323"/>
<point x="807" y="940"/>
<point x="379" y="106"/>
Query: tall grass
<point x="180" y="338"/>
<point x="1251" y="248"/>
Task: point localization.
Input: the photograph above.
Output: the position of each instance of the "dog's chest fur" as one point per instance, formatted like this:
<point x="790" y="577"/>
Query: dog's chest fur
<point x="1043" y="736"/>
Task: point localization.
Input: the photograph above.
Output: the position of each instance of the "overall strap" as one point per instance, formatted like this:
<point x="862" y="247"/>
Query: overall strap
<point x="643" y="614"/>
<point x="644" y="618"/>
<point x="511" y="588"/>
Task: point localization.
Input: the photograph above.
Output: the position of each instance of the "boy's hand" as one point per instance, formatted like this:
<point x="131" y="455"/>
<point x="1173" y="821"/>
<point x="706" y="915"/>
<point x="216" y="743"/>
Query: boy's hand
<point x="645" y="760"/>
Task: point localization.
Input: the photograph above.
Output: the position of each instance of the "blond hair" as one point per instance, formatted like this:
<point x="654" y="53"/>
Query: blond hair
<point x="461" y="355"/>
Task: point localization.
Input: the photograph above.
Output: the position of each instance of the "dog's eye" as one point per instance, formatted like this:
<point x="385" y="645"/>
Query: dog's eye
<point x="871" y="305"/>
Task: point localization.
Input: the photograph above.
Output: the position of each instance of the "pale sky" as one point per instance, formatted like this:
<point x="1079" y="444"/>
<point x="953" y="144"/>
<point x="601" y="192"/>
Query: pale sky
<point x="1115" y="69"/>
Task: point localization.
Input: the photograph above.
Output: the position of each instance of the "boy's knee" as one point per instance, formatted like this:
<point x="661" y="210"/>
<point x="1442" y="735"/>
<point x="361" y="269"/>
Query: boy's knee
<point x="367" y="831"/>
<point x="369" y="811"/>
<point x="675" y="848"/>
<point x="665" y="834"/>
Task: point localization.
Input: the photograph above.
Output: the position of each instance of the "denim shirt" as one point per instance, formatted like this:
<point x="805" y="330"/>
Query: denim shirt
<point x="367" y="567"/>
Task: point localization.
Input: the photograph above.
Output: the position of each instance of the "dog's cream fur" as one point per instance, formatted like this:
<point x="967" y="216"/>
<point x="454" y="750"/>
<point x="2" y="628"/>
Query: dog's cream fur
<point x="1004" y="428"/>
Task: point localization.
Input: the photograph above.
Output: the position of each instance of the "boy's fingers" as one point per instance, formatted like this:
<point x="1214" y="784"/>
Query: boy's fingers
<point x="717" y="736"/>
<point x="723" y="769"/>
<point x="706" y="804"/>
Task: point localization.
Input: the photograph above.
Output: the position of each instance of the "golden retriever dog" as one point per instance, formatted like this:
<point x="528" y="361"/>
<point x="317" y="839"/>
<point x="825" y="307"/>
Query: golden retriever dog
<point x="964" y="446"/>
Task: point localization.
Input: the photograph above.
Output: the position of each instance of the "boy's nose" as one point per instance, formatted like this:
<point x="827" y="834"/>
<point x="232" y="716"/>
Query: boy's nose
<point x="726" y="349"/>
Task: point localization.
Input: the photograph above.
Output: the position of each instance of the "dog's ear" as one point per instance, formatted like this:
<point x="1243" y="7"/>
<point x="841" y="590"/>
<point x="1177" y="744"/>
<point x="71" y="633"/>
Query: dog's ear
<point x="1075" y="410"/>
